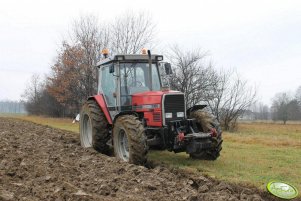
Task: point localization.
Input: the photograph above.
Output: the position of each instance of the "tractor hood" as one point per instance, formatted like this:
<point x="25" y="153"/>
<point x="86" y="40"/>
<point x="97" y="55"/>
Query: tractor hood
<point x="150" y="97"/>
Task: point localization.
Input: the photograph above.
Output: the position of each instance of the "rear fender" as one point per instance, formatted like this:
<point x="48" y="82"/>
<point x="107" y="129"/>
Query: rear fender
<point x="102" y="104"/>
<point x="194" y="108"/>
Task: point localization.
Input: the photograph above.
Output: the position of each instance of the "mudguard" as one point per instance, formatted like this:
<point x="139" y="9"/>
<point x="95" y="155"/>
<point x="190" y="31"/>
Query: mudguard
<point x="102" y="104"/>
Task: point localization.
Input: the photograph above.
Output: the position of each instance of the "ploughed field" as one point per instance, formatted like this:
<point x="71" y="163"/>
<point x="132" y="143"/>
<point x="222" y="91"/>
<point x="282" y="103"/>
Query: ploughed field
<point x="43" y="163"/>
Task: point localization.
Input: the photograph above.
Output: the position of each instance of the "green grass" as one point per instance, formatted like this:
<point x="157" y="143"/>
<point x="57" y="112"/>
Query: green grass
<point x="255" y="154"/>
<point x="253" y="164"/>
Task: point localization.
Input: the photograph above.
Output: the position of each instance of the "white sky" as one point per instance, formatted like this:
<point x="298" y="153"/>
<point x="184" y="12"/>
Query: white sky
<point x="261" y="39"/>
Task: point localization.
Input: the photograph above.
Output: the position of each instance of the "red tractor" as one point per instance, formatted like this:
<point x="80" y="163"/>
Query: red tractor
<point x="132" y="113"/>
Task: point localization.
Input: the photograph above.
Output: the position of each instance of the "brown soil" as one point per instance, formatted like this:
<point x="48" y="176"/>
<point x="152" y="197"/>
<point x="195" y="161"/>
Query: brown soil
<point x="43" y="163"/>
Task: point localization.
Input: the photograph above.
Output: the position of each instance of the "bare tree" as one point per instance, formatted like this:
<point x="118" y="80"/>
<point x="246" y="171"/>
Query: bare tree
<point x="32" y="94"/>
<point x="263" y="112"/>
<point x="298" y="95"/>
<point x="214" y="97"/>
<point x="91" y="37"/>
<point x="280" y="107"/>
<point x="298" y="99"/>
<point x="285" y="107"/>
<point x="191" y="75"/>
<point x="33" y="88"/>
<point x="132" y="32"/>
<point x="294" y="110"/>
<point x="37" y="99"/>
<point x="227" y="95"/>
<point x="230" y="98"/>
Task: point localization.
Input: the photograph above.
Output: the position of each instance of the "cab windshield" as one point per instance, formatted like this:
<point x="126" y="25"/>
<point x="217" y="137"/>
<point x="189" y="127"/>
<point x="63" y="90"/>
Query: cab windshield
<point x="135" y="78"/>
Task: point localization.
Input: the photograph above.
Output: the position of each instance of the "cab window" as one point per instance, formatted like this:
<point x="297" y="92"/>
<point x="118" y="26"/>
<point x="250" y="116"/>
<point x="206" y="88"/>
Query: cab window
<point x="108" y="86"/>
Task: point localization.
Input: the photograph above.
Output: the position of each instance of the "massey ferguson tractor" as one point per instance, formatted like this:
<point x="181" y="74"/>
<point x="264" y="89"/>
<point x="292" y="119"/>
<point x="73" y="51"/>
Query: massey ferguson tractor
<point x="133" y="112"/>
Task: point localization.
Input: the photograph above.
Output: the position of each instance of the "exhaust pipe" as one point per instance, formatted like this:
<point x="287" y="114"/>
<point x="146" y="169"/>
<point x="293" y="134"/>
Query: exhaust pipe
<point x="150" y="69"/>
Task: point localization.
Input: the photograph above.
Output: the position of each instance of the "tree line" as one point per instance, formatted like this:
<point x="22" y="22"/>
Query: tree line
<point x="73" y="78"/>
<point x="15" y="107"/>
<point x="285" y="106"/>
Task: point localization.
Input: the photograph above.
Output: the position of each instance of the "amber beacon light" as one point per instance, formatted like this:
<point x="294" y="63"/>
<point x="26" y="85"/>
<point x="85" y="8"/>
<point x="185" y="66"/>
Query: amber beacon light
<point x="105" y="52"/>
<point x="144" y="51"/>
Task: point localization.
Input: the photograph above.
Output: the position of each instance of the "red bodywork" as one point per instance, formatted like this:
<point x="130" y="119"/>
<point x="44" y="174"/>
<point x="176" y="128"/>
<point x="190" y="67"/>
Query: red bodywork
<point x="153" y="116"/>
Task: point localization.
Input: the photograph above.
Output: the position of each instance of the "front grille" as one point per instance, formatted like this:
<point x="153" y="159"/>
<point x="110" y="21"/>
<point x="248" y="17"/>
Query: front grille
<point x="174" y="103"/>
<point x="157" y="117"/>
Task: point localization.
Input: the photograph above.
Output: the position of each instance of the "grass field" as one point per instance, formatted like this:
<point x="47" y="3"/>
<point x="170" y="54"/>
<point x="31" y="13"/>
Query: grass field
<point x="255" y="154"/>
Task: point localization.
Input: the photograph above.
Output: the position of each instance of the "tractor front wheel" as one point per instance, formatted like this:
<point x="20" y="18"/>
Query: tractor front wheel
<point x="130" y="140"/>
<point x="94" y="127"/>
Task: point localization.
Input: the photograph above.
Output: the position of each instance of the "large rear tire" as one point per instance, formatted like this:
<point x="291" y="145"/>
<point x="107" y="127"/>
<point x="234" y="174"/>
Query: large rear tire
<point x="130" y="140"/>
<point x="205" y="123"/>
<point x="94" y="127"/>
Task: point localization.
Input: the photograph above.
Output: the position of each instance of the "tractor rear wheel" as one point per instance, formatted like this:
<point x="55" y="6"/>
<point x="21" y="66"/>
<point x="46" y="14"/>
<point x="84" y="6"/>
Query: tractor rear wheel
<point x="130" y="140"/>
<point x="206" y="122"/>
<point x="94" y="127"/>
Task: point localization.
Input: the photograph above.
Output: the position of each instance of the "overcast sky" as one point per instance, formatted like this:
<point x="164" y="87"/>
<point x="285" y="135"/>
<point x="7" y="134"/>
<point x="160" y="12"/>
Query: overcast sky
<point x="261" y="39"/>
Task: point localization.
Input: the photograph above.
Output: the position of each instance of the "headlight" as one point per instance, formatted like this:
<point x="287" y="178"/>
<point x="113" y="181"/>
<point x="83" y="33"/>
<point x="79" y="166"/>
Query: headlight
<point x="168" y="115"/>
<point x="180" y="114"/>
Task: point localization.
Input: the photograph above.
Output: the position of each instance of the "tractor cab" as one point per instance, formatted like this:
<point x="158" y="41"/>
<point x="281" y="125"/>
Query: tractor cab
<point x="123" y="76"/>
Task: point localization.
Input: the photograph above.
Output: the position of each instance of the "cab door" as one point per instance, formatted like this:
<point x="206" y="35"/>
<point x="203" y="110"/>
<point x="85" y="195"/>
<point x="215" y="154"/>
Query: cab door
<point x="108" y="87"/>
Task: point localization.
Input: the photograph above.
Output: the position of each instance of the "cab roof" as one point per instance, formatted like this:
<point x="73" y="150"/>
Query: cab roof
<point x="129" y="58"/>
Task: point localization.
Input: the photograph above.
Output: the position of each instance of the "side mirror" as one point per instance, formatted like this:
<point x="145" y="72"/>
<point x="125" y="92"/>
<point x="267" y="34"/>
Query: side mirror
<point x="168" y="69"/>
<point x="111" y="68"/>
